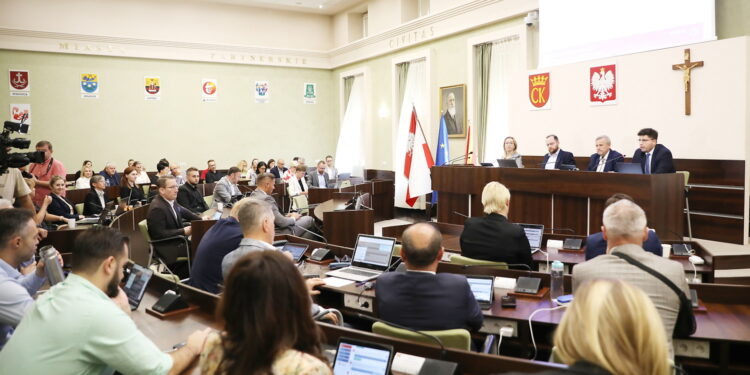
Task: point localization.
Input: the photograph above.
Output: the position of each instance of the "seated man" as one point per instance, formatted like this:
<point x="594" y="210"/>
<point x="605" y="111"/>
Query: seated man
<point x="654" y="158"/>
<point x="556" y="157"/>
<point x="96" y="199"/>
<point x="279" y="169"/>
<point x="291" y="223"/>
<point x="226" y="189"/>
<point x="223" y="237"/>
<point x="625" y="230"/>
<point x="596" y="245"/>
<point x="188" y="195"/>
<point x="77" y="328"/>
<point x="319" y="179"/>
<point x="18" y="240"/>
<point x="165" y="220"/>
<point x="605" y="158"/>
<point x="111" y="177"/>
<point x="493" y="237"/>
<point x="420" y="298"/>
<point x="331" y="170"/>
<point x="211" y="174"/>
<point x="177" y="173"/>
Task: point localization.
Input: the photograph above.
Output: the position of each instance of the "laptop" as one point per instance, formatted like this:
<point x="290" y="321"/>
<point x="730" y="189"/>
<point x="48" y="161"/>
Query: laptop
<point x="344" y="176"/>
<point x="631" y="168"/>
<point x="100" y="219"/>
<point x="507" y="163"/>
<point x="362" y="357"/>
<point x="534" y="233"/>
<point x="296" y="249"/>
<point x="135" y="284"/>
<point x="483" y="289"/>
<point x="372" y="256"/>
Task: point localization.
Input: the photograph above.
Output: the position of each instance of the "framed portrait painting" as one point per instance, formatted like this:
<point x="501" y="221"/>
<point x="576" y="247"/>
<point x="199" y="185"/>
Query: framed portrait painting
<point x="453" y="109"/>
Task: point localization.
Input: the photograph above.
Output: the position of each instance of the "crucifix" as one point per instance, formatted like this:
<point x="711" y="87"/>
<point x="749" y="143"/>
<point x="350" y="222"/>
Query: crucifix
<point x="686" y="67"/>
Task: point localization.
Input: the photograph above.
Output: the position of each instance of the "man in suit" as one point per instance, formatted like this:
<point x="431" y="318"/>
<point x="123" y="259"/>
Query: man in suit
<point x="226" y="189"/>
<point x="211" y="174"/>
<point x="188" y="195"/>
<point x="596" y="244"/>
<point x="319" y="179"/>
<point x="453" y="117"/>
<point x="493" y="237"/>
<point x="96" y="199"/>
<point x="605" y="158"/>
<point x="165" y="220"/>
<point x="625" y="230"/>
<point x="331" y="170"/>
<point x="220" y="240"/>
<point x="279" y="169"/>
<point x="654" y="158"/>
<point x="291" y="223"/>
<point x="420" y="298"/>
<point x="111" y="177"/>
<point x="556" y="157"/>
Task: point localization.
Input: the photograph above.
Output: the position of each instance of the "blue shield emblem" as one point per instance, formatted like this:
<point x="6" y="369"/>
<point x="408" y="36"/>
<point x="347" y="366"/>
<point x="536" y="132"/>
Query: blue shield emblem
<point x="89" y="83"/>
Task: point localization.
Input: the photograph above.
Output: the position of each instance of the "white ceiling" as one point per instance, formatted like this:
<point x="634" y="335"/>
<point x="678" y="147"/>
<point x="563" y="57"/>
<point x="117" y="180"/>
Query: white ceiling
<point x="328" y="7"/>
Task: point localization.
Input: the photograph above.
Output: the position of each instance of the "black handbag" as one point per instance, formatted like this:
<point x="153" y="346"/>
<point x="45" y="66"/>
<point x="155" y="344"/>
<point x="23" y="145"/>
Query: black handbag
<point x="685" y="324"/>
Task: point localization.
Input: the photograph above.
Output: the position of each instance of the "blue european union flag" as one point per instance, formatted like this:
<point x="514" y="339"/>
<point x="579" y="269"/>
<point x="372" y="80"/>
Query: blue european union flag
<point x="443" y="152"/>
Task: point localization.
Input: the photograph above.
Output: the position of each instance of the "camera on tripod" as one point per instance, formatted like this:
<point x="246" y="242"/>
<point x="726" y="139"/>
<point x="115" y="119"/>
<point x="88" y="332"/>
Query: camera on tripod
<point x="16" y="159"/>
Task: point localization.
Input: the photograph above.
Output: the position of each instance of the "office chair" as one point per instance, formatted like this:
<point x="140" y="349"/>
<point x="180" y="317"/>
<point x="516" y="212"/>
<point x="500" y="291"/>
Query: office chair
<point x="143" y="227"/>
<point x="466" y="261"/>
<point x="451" y="338"/>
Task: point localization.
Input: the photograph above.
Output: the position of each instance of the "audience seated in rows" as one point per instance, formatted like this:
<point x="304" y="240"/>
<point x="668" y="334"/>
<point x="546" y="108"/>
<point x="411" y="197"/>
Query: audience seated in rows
<point x="188" y="195"/>
<point x="279" y="169"/>
<point x="142" y="175"/>
<point x="111" y="177"/>
<point x="297" y="182"/>
<point x="291" y="223"/>
<point x="177" y="173"/>
<point x="130" y="192"/>
<point x="79" y="316"/>
<point x="319" y="179"/>
<point x="420" y="298"/>
<point x="60" y="209"/>
<point x="210" y="174"/>
<point x="162" y="169"/>
<point x="226" y="188"/>
<point x="86" y="164"/>
<point x="493" y="237"/>
<point x="260" y="169"/>
<point x="331" y="170"/>
<point x="596" y="245"/>
<point x="84" y="181"/>
<point x="96" y="199"/>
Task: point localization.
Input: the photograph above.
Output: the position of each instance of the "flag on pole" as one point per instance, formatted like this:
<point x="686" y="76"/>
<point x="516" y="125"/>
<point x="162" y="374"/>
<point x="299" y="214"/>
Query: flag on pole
<point x="443" y="151"/>
<point x="417" y="162"/>
<point x="469" y="158"/>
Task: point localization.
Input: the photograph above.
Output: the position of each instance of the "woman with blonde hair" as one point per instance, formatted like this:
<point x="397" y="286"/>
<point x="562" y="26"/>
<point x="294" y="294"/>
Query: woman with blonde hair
<point x="510" y="151"/>
<point x="612" y="327"/>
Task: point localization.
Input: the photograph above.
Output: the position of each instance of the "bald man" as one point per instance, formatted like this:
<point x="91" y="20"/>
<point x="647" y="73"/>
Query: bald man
<point x="420" y="298"/>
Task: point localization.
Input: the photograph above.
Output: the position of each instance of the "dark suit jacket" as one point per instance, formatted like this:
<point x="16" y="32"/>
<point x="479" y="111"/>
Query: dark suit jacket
<point x="277" y="173"/>
<point x="596" y="245"/>
<point x="136" y="195"/>
<point x="213" y="177"/>
<point x="609" y="166"/>
<point x="223" y="238"/>
<point x="92" y="205"/>
<point x="495" y="238"/>
<point x="59" y="208"/>
<point x="163" y="224"/>
<point x="112" y="180"/>
<point x="424" y="301"/>
<point x="189" y="197"/>
<point x="661" y="160"/>
<point x="312" y="179"/>
<point x="563" y="157"/>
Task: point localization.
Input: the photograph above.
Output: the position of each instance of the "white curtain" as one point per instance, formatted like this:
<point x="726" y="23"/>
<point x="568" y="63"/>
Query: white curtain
<point x="350" y="157"/>
<point x="504" y="64"/>
<point x="416" y="96"/>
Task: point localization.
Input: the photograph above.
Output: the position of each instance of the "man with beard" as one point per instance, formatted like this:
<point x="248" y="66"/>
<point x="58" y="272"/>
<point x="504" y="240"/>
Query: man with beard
<point x="453" y="121"/>
<point x="556" y="156"/>
<point x="82" y="325"/>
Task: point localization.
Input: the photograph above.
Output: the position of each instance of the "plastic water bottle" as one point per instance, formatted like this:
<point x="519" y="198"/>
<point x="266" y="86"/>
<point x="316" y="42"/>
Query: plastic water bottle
<point x="556" y="280"/>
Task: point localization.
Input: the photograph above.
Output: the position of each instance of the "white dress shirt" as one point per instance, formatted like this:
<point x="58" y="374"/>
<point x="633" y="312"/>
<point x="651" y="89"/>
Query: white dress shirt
<point x="602" y="162"/>
<point x="552" y="160"/>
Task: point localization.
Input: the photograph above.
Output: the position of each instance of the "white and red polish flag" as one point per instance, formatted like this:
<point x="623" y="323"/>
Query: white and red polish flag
<point x="417" y="162"/>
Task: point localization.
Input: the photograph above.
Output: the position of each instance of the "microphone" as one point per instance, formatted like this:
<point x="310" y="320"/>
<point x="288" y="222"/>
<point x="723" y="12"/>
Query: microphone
<point x="437" y="340"/>
<point x="313" y="233"/>
<point x="171" y="300"/>
<point x="458" y="158"/>
<point x="460" y="214"/>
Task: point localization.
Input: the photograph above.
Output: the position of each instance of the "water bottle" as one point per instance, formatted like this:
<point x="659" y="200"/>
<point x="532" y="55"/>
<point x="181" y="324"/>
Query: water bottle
<point x="556" y="280"/>
<point x="51" y="265"/>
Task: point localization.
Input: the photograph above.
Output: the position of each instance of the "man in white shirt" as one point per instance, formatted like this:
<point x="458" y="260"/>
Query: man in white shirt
<point x="330" y="168"/>
<point x="557" y="158"/>
<point x="605" y="158"/>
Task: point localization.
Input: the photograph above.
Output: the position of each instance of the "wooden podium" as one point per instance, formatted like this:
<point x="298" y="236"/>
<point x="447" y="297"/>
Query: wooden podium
<point x="341" y="226"/>
<point x="561" y="199"/>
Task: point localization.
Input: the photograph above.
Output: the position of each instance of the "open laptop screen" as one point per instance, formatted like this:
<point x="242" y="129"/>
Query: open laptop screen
<point x="534" y="233"/>
<point x="358" y="357"/>
<point x="481" y="287"/>
<point x="373" y="252"/>
<point x="297" y="250"/>
<point x="135" y="284"/>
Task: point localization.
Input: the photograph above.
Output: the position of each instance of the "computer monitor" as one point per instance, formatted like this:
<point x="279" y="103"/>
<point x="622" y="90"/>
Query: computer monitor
<point x="507" y="163"/>
<point x="373" y="252"/>
<point x="362" y="357"/>
<point x="534" y="233"/>
<point x="631" y="168"/>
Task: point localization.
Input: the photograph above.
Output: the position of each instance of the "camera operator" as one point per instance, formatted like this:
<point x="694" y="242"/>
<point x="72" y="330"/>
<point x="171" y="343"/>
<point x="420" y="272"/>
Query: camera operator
<point x="44" y="171"/>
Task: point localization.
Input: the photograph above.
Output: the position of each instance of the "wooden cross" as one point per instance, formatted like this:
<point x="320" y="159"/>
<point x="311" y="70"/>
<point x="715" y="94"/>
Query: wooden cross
<point x="686" y="67"/>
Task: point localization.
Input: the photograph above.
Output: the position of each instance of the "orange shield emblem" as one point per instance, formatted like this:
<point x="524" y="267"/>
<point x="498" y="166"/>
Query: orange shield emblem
<point x="539" y="89"/>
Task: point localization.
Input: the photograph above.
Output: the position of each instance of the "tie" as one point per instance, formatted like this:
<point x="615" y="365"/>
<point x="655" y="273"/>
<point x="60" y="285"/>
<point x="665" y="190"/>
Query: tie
<point x="602" y="162"/>
<point x="648" y="163"/>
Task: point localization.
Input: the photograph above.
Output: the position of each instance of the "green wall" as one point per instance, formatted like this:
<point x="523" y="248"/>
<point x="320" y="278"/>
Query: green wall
<point x="121" y="125"/>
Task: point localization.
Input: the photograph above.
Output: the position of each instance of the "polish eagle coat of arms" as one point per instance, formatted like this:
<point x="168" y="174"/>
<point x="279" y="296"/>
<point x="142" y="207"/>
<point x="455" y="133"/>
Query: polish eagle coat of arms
<point x="603" y="85"/>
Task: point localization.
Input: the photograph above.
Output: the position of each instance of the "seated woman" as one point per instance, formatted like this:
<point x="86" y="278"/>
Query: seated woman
<point x="262" y="168"/>
<point x="242" y="165"/>
<point x="130" y="192"/>
<point x="84" y="181"/>
<point x="510" y="147"/>
<point x="60" y="209"/>
<point x="611" y="327"/>
<point x="267" y="324"/>
<point x="493" y="237"/>
<point x="298" y="182"/>
<point x="96" y="199"/>
<point x="143" y="177"/>
<point x="271" y="163"/>
<point x="86" y="164"/>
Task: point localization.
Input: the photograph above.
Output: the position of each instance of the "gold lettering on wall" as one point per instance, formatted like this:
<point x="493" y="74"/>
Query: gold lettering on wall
<point x="87" y="47"/>
<point x="244" y="58"/>
<point x="411" y="37"/>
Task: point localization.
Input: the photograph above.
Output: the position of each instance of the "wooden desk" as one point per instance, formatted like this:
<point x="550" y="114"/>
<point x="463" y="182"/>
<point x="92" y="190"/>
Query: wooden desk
<point x="561" y="199"/>
<point x="341" y="226"/>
